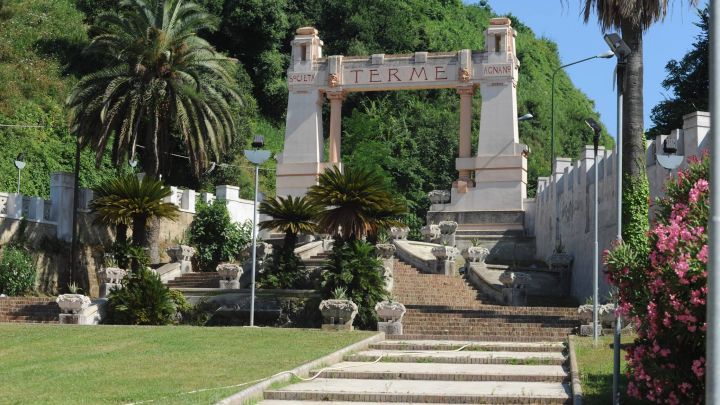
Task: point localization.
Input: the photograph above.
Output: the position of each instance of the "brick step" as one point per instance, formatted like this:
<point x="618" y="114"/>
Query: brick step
<point x="488" y="337"/>
<point x="481" y="323"/>
<point x="495" y="309"/>
<point x="468" y="345"/>
<point x="29" y="310"/>
<point x="455" y="357"/>
<point x="404" y="391"/>
<point x="444" y="372"/>
<point x="496" y="316"/>
<point x="479" y="333"/>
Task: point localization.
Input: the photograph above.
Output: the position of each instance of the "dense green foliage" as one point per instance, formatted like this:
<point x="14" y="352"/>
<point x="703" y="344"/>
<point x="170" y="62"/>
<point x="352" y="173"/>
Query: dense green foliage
<point x="411" y="137"/>
<point x="688" y="82"/>
<point x="128" y="200"/>
<point x="356" y="201"/>
<point x="143" y="300"/>
<point x="291" y="215"/>
<point x="216" y="237"/>
<point x="354" y="267"/>
<point x="17" y="271"/>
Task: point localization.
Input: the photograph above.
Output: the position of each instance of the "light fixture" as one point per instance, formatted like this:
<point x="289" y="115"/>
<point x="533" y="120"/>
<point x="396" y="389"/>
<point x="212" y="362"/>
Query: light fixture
<point x="19" y="164"/>
<point x="526" y="117"/>
<point x="617" y="45"/>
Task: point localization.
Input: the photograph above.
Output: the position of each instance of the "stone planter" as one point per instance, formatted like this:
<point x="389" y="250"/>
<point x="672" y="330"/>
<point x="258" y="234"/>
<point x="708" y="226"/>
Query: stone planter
<point x="514" y="288"/>
<point x="448" y="227"/>
<point x="431" y="233"/>
<point x="606" y="314"/>
<point x="338" y="314"/>
<point x="181" y="253"/>
<point x="390" y="311"/>
<point x="72" y="303"/>
<point x="399" y="233"/>
<point x="385" y="250"/>
<point x="475" y="254"/>
<point x="112" y="275"/>
<point x="229" y="275"/>
<point x="511" y="279"/>
<point x="445" y="252"/>
<point x="439" y="197"/>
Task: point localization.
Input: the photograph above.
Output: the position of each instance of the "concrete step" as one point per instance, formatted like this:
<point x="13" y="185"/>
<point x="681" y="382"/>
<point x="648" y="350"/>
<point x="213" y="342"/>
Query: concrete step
<point x="295" y="402"/>
<point x="497" y="392"/>
<point x="444" y="372"/>
<point x="469" y="345"/>
<point x="463" y="357"/>
<point x="486" y="337"/>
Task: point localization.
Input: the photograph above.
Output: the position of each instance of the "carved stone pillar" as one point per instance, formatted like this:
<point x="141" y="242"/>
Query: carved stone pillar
<point x="466" y="94"/>
<point x="336" y="99"/>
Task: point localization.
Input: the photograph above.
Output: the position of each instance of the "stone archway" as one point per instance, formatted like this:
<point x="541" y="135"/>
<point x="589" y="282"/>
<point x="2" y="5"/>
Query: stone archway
<point x="500" y="166"/>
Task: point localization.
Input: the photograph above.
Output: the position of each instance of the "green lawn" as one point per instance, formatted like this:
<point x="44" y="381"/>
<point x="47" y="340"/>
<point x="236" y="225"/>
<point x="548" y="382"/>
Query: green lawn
<point x="596" y="369"/>
<point x="121" y="364"/>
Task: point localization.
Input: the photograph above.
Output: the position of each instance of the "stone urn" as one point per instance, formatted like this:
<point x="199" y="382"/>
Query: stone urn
<point x="390" y="311"/>
<point x="338" y="313"/>
<point x="385" y="250"/>
<point x="229" y="275"/>
<point x="399" y="233"/>
<point x="439" y="197"/>
<point x="511" y="279"/>
<point x="180" y="253"/>
<point x="448" y="227"/>
<point x="606" y="314"/>
<point x="445" y="252"/>
<point x="430" y="232"/>
<point x="112" y="275"/>
<point x="475" y="254"/>
<point x="72" y="303"/>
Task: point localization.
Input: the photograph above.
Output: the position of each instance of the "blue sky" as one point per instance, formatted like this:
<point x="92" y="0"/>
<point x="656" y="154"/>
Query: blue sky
<point x="668" y="40"/>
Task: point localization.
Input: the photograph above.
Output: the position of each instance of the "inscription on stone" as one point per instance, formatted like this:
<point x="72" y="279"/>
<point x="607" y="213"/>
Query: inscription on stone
<point x="400" y="74"/>
<point x="301" y="78"/>
<point x="497" y="70"/>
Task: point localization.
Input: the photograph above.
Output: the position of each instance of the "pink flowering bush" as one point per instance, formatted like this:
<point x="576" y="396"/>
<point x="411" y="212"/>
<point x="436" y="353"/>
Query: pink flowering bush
<point x="663" y="290"/>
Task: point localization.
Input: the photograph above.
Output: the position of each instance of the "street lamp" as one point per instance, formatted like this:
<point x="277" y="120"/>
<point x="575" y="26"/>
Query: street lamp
<point x="20" y="164"/>
<point x="596" y="251"/>
<point x="526" y="117"/>
<point x="257" y="157"/>
<point x="622" y="51"/>
<point x="604" y="55"/>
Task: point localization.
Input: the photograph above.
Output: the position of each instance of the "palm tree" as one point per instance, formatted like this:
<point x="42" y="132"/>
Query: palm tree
<point x="291" y="215"/>
<point x="129" y="200"/>
<point x="357" y="201"/>
<point x="632" y="18"/>
<point x="161" y="82"/>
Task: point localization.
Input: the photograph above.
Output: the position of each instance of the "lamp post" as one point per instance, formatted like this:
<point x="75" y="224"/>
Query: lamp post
<point x="604" y="55"/>
<point x="621" y="50"/>
<point x="596" y="250"/>
<point x="19" y="164"/>
<point x="526" y="117"/>
<point x="257" y="157"/>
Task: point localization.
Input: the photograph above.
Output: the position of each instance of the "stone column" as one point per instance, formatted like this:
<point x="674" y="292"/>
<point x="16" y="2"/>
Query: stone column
<point x="336" y="99"/>
<point x="466" y="94"/>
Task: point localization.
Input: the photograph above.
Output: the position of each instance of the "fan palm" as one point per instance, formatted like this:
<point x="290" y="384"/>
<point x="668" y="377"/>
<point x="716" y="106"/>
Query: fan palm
<point x="357" y="202"/>
<point x="632" y="18"/>
<point x="291" y="215"/>
<point x="160" y="81"/>
<point x="129" y="200"/>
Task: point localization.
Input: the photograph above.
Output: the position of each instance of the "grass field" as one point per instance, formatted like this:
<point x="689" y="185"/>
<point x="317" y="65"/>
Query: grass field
<point x="596" y="370"/>
<point x="122" y="364"/>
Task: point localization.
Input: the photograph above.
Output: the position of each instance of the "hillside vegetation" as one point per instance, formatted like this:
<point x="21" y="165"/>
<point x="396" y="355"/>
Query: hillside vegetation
<point x="410" y="136"/>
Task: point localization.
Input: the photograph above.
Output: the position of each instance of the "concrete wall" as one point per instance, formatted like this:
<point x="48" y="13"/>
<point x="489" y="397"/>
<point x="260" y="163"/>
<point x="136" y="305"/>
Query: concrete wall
<point x="575" y="188"/>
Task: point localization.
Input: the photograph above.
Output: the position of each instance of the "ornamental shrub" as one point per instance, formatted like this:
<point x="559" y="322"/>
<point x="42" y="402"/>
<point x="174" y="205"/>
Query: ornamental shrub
<point x="143" y="300"/>
<point x="664" y="293"/>
<point x="354" y="266"/>
<point x="216" y="238"/>
<point x="17" y="271"/>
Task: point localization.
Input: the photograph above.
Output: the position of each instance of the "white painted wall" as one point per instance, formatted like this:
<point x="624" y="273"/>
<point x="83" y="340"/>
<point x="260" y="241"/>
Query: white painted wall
<point x="576" y="193"/>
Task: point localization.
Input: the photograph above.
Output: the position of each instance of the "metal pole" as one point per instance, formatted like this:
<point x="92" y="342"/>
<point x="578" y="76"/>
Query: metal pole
<point x="596" y="255"/>
<point x="618" y="194"/>
<point x="712" y="382"/>
<point x="18" y="186"/>
<point x="254" y="249"/>
<point x="74" y="262"/>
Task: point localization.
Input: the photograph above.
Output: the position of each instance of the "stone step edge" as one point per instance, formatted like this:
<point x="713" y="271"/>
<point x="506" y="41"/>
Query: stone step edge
<point x="412" y="398"/>
<point x="488" y="346"/>
<point x="456" y="360"/>
<point x="415" y="376"/>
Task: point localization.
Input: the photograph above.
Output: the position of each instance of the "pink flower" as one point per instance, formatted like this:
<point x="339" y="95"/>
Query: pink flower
<point x="703" y="254"/>
<point x="697" y="367"/>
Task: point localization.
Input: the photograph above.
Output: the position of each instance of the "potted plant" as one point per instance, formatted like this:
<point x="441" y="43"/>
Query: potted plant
<point x="338" y="310"/>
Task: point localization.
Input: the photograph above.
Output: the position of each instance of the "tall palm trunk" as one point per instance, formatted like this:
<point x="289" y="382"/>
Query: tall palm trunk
<point x="635" y="187"/>
<point x="151" y="164"/>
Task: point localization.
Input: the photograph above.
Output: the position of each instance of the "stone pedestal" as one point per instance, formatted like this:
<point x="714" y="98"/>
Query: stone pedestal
<point x="587" y="330"/>
<point x="111" y="278"/>
<point x="390" y="314"/>
<point x="445" y="260"/>
<point x="229" y="275"/>
<point x="182" y="254"/>
<point x="230" y="284"/>
<point x="386" y="253"/>
<point x="106" y="288"/>
<point x="514" y="288"/>
<point x="338" y="314"/>
<point x="390" y="328"/>
<point x="447" y="232"/>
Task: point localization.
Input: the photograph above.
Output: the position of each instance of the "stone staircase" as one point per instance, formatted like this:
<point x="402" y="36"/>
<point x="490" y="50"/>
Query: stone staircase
<point x="437" y="372"/>
<point x="29" y="310"/>
<point x="446" y="307"/>
<point x="196" y="280"/>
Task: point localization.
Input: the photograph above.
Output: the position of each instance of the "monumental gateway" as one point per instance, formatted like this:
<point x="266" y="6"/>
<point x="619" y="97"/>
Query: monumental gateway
<point x="493" y="180"/>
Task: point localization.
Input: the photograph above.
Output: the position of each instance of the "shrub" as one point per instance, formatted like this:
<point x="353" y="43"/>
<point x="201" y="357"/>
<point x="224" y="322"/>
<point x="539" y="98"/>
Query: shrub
<point x="17" y="271"/>
<point x="355" y="267"/>
<point x="129" y="256"/>
<point x="282" y="270"/>
<point x="665" y="294"/>
<point x="216" y="237"/>
<point x="143" y="300"/>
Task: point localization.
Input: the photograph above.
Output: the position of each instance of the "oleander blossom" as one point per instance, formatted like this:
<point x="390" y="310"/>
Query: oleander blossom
<point x="664" y="291"/>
